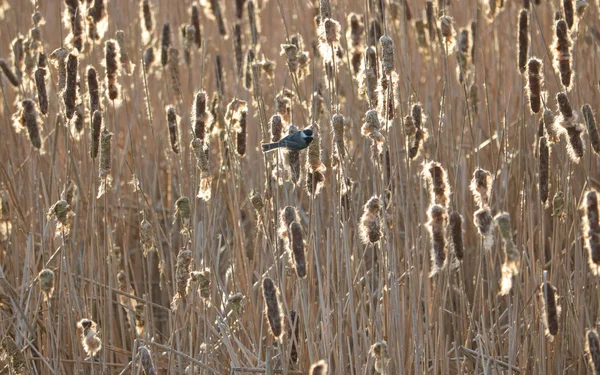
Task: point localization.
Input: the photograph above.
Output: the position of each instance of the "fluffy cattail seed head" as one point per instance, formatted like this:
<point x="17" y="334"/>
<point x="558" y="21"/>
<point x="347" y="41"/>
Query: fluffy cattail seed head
<point x="588" y="116"/>
<point x="105" y="161"/>
<point x="12" y="354"/>
<point x="485" y="226"/>
<point x="370" y="222"/>
<point x="562" y="53"/>
<point x="273" y="310"/>
<point x="481" y="187"/>
<point x="592" y="348"/>
<point x="438" y="220"/>
<point x="27" y="118"/>
<point x="276" y="126"/>
<point x="437" y="179"/>
<point x="12" y="78"/>
<point x="257" y="201"/>
<point x="46" y="277"/>
<point x="379" y="351"/>
<point x="89" y="340"/>
<point x="298" y="250"/>
<point x="182" y="276"/>
<point x="339" y="147"/>
<point x="534" y="84"/>
<point x="552" y="309"/>
<point x="319" y="368"/>
<point x="200" y="116"/>
<point x="112" y="68"/>
<point x="549" y="126"/>
<point x="387" y="51"/>
<point x="591" y="230"/>
<point x="456" y="235"/>
<point x="512" y="258"/>
<point x="173" y="133"/>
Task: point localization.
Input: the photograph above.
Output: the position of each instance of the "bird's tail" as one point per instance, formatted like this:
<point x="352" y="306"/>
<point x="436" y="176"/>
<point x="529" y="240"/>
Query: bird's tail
<point x="266" y="147"/>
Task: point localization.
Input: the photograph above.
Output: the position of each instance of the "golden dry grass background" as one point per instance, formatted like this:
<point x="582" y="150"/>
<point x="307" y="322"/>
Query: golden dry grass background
<point x="354" y="295"/>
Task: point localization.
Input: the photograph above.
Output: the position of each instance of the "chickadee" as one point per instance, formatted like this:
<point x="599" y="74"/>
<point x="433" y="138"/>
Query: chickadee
<point x="293" y="142"/>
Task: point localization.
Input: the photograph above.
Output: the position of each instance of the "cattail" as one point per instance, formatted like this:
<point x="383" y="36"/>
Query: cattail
<point x="93" y="92"/>
<point x="148" y="20"/>
<point x="12" y="78"/>
<point x="212" y="9"/>
<point x="315" y="176"/>
<point x="11" y="353"/>
<point x="46" y="277"/>
<point x="568" y="10"/>
<point x="40" y="83"/>
<point x="324" y="9"/>
<point x="565" y="123"/>
<point x="544" y="151"/>
<point x="446" y="27"/>
<point x="201" y="151"/>
<point x="551" y="130"/>
<point x="485" y="226"/>
<point x="200" y="116"/>
<point x="286" y="217"/>
<point x="183" y="213"/>
<point x="204" y="281"/>
<point x="395" y="10"/>
<point x="422" y="40"/>
<point x="481" y="187"/>
<point x="512" y="258"/>
<point x="474" y="37"/>
<point x="112" y="68"/>
<point x="89" y="340"/>
<point x="562" y="53"/>
<point x="241" y="134"/>
<point x="253" y="21"/>
<point x="237" y="47"/>
<point x="298" y="250"/>
<point x="273" y="309"/>
<point x="370" y="222"/>
<point x="105" y="161"/>
<point x="97" y="20"/>
<point x="72" y="18"/>
<point x="147" y="363"/>
<point x="591" y="230"/>
<point x="195" y="21"/>
<point x="588" y="116"/>
<point x="95" y="134"/>
<point x="165" y="43"/>
<point x="592" y="347"/>
<point x="59" y="57"/>
<point x="462" y="54"/>
<point x="438" y="220"/>
<point x="173" y="133"/>
<point x="174" y="70"/>
<point x="523" y="40"/>
<point x="149" y="57"/>
<point x="257" y="201"/>
<point x="319" y="368"/>
<point x="430" y="22"/>
<point x="147" y="237"/>
<point x="69" y="193"/>
<point x="236" y="301"/>
<point x="27" y="118"/>
<point x="552" y="309"/>
<point x="182" y="276"/>
<point x="239" y="8"/>
<point x="70" y="93"/>
<point x="339" y="147"/>
<point x="379" y="351"/>
<point x="437" y="179"/>
<point x="219" y="75"/>
<point x="534" y="85"/>
<point x="247" y="73"/>
<point x="387" y="51"/>
<point x="456" y="235"/>
<point x="63" y="215"/>
<point x="124" y="61"/>
<point x="329" y="39"/>
<point x="473" y="98"/>
<point x="371" y="129"/>
<point x="356" y="29"/>
<point x="276" y="126"/>
<point x="294" y="335"/>
<point x="283" y="104"/>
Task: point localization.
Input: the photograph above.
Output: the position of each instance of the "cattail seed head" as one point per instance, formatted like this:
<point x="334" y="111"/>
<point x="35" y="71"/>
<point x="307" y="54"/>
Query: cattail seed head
<point x="481" y="187"/>
<point x="46" y="277"/>
<point x="371" y="129"/>
<point x="111" y="56"/>
<point x="592" y="348"/>
<point x="149" y="57"/>
<point x="298" y="249"/>
<point x="253" y="21"/>
<point x="237" y="47"/>
<point x="242" y="132"/>
<point x="12" y="354"/>
<point x="485" y="226"/>
<point x="174" y="70"/>
<point x="462" y="55"/>
<point x="147" y="363"/>
<point x="182" y="276"/>
<point x="105" y="161"/>
<point x="565" y="124"/>
<point x="93" y="92"/>
<point x="379" y="351"/>
<point x="523" y="39"/>
<point x="70" y="193"/>
<point x="512" y="258"/>
<point x="276" y="126"/>
<point x="147" y="237"/>
<point x="591" y="230"/>
<point x="370" y="222"/>
<point x="195" y="20"/>
<point x="534" y="84"/>
<point x="273" y="309"/>
<point x="40" y="83"/>
<point x="257" y="201"/>
<point x="201" y="152"/>
<point x="165" y="43"/>
<point x="59" y="58"/>
<point x="569" y="15"/>
<point x="437" y="179"/>
<point x="89" y="340"/>
<point x="329" y="38"/>
<point x="95" y="136"/>
<point x="562" y="53"/>
<point x="549" y="126"/>
<point x="200" y="116"/>
<point x="456" y="234"/>
<point x="236" y="302"/>
<point x="287" y="216"/>
<point x="204" y="281"/>
<point x="72" y="19"/>
<point x="544" y="151"/>
<point x="239" y="8"/>
<point x="324" y="9"/>
<point x="61" y="212"/>
<point x="552" y="309"/>
<point x="438" y="220"/>
<point x="430" y="22"/>
<point x="148" y="20"/>
<point x="291" y="159"/>
<point x="183" y="210"/>
<point x="27" y="118"/>
<point x="173" y="133"/>
<point x="387" y="51"/>
<point x="592" y="129"/>
<point x="70" y="92"/>
<point x="126" y="64"/>
<point x="319" y="368"/>
<point x="12" y="78"/>
<point x="339" y="147"/>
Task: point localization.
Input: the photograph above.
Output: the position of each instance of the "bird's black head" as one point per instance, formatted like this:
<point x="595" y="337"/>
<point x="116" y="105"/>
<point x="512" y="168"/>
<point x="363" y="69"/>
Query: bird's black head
<point x="307" y="135"/>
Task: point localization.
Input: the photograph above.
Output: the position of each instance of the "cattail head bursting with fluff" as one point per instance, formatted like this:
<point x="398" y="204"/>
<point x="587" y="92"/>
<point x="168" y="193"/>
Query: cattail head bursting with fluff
<point x="592" y="128"/>
<point x="456" y="234"/>
<point x="111" y="55"/>
<point x="534" y="84"/>
<point x="27" y="118"/>
<point x="40" y="83"/>
<point x="552" y="310"/>
<point x="59" y="59"/>
<point x="273" y="309"/>
<point x="592" y="348"/>
<point x="329" y="38"/>
<point x="287" y="216"/>
<point x="93" y="90"/>
<point x="72" y="19"/>
<point x="204" y="281"/>
<point x="370" y="222"/>
<point x="105" y="161"/>
<point x="436" y="225"/>
<point x="562" y="53"/>
<point x="591" y="230"/>
<point x="339" y="146"/>
<point x="200" y="117"/>
<point x="298" y="249"/>
<point x="89" y="340"/>
<point x="147" y="237"/>
<point x="437" y="180"/>
<point x="201" y="152"/>
<point x="379" y="351"/>
<point x="319" y="368"/>
<point x="315" y="176"/>
<point x="463" y="57"/>
<point x="355" y="35"/>
<point x="551" y="130"/>
<point x="481" y="187"/>
<point x="371" y="128"/>
<point x="62" y="213"/>
<point x="173" y="129"/>
<point x="46" y="277"/>
<point x="485" y="226"/>
<point x="566" y="123"/>
<point x="182" y="276"/>
<point x="446" y="25"/>
<point x="147" y="18"/>
<point x="512" y="258"/>
<point x="387" y="52"/>
<point x="276" y="127"/>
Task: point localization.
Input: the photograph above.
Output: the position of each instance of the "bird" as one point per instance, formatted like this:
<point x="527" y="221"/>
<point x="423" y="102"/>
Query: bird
<point x="294" y="142"/>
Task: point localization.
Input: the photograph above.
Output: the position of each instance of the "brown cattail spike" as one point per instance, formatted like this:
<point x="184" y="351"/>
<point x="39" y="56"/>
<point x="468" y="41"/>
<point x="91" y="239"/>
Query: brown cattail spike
<point x="485" y="225"/>
<point x="276" y="126"/>
<point x="523" y="39"/>
<point x="552" y="309"/>
<point x="273" y="309"/>
<point x="387" y="51"/>
<point x="165" y="43"/>
<point x="534" y="84"/>
<point x="437" y="179"/>
<point x="592" y="128"/>
<point x="592" y="347"/>
<point x="298" y="251"/>
<point x="173" y="131"/>
<point x="95" y="134"/>
<point x="544" y="151"/>
<point x="591" y="230"/>
<point x="195" y="20"/>
<point x="562" y="53"/>
<point x="27" y="118"/>
<point x="70" y="93"/>
<point x="438" y="220"/>
<point x="40" y="83"/>
<point x="456" y="235"/>
<point x="93" y="92"/>
<point x="72" y="18"/>
<point x="112" y="68"/>
<point x="568" y="10"/>
<point x="370" y="222"/>
<point x="481" y="187"/>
